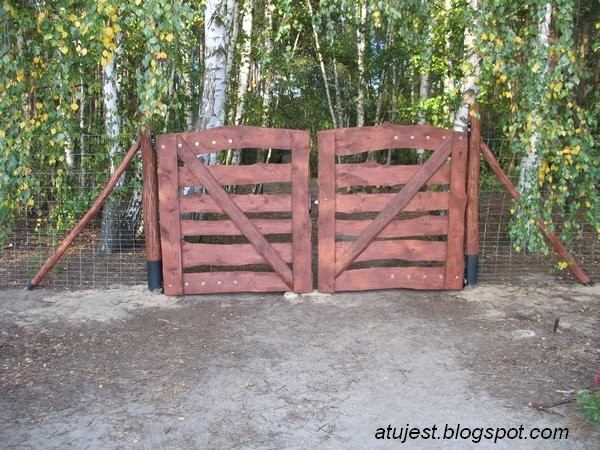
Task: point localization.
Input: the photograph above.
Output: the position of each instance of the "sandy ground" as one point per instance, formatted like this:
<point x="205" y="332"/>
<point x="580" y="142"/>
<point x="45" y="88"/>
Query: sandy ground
<point x="125" y="368"/>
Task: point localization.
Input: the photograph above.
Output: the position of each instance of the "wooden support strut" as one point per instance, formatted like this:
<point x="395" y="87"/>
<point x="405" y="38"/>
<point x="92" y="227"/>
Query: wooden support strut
<point x="263" y="247"/>
<point x="558" y="246"/>
<point x="150" y="207"/>
<point x="472" y="211"/>
<point x="85" y="220"/>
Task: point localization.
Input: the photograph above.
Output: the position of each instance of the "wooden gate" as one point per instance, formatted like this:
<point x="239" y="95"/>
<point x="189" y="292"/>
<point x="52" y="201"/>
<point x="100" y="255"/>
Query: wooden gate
<point x="408" y="235"/>
<point x="215" y="241"/>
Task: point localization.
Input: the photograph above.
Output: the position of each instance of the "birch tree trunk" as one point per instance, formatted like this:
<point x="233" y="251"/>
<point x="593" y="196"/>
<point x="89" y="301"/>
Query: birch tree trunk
<point x="528" y="170"/>
<point x="360" y="49"/>
<point x="110" y="228"/>
<point x="214" y="93"/>
<point x="245" y="63"/>
<point x="470" y="88"/>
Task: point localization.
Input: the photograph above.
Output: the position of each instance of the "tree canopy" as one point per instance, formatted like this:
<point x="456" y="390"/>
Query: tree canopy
<point x="533" y="65"/>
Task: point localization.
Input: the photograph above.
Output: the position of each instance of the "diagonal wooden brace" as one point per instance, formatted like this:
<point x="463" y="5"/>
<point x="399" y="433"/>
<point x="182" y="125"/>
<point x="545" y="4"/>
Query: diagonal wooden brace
<point x="394" y="206"/>
<point x="263" y="247"/>
<point x="558" y="246"/>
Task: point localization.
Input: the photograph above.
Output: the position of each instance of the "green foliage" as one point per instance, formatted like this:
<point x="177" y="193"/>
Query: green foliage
<point x="589" y="404"/>
<point x="51" y="56"/>
<point x="544" y="99"/>
<point x="550" y="126"/>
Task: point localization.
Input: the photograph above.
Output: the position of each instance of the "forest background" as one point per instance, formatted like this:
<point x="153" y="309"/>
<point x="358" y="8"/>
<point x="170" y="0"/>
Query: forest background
<point x="79" y="79"/>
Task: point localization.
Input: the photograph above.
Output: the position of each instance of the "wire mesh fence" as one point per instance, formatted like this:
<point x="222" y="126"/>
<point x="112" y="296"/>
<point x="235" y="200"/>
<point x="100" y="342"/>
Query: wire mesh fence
<point x="36" y="232"/>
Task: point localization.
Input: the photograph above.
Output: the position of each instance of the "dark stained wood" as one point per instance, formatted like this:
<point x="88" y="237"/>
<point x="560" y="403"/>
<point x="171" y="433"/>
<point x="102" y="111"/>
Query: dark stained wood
<point x="150" y="200"/>
<point x="502" y="177"/>
<point x="420" y="226"/>
<point x="430" y="278"/>
<point x="235" y="213"/>
<point x="217" y="282"/>
<point x="228" y="254"/>
<point x="248" y="203"/>
<point x="86" y="219"/>
<point x="327" y="208"/>
<point x="409" y="250"/>
<point x="558" y="246"/>
<point x="399" y="201"/>
<point x="373" y="174"/>
<point x="229" y="228"/>
<point x="236" y="175"/>
<point x="421" y="202"/>
<point x="302" y="263"/>
<point x="355" y="140"/>
<point x="168" y="196"/>
<point x="455" y="263"/>
<point x="224" y="138"/>
<point x="473" y="169"/>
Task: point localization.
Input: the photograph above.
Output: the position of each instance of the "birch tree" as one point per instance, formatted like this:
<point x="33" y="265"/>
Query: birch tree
<point x="217" y="18"/>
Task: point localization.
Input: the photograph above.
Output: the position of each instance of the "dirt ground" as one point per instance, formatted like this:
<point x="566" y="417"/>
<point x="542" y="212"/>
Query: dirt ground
<point x="125" y="368"/>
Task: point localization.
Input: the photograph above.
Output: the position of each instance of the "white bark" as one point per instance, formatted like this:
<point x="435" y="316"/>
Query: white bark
<point x="214" y="93"/>
<point x="245" y="60"/>
<point x="111" y="113"/>
<point x="110" y="231"/>
<point x="470" y="88"/>
<point x="528" y="174"/>
<point x="245" y="63"/>
<point x="268" y="73"/>
<point x="360" y="48"/>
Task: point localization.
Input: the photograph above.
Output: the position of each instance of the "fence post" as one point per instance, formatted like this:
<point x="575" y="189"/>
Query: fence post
<point x="150" y="205"/>
<point x="472" y="212"/>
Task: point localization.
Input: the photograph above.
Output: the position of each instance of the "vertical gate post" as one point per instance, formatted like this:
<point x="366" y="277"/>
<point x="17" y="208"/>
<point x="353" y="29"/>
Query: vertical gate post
<point x="150" y="207"/>
<point x="472" y="212"/>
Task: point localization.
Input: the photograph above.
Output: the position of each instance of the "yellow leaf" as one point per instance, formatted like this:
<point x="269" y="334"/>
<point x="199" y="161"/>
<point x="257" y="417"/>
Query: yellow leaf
<point x="74" y="106"/>
<point x="518" y="40"/>
<point x="41" y="16"/>
<point x="535" y="68"/>
<point x="2" y="134"/>
<point x="64" y="50"/>
<point x="169" y="37"/>
<point x="30" y="202"/>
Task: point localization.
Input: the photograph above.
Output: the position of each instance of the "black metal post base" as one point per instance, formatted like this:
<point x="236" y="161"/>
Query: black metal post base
<point x="472" y="269"/>
<point x="154" y="270"/>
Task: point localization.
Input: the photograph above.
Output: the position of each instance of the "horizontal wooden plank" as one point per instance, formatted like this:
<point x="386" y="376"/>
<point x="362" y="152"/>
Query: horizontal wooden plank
<point x="228" y="228"/>
<point x="249" y="203"/>
<point x="420" y="226"/>
<point x="373" y="174"/>
<point x="228" y="254"/>
<point x="217" y="282"/>
<point x="429" y="278"/>
<point x="421" y="202"/>
<point x="236" y="175"/>
<point x="349" y="141"/>
<point x="224" y="138"/>
<point x="409" y="250"/>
